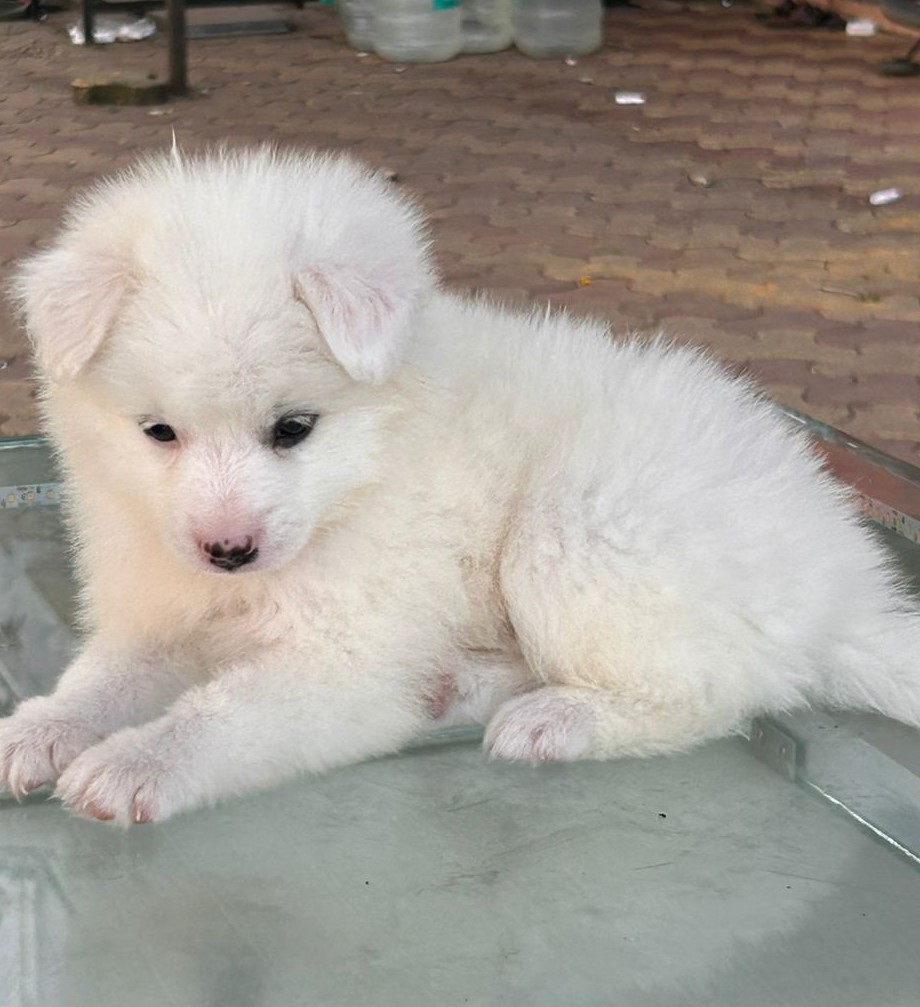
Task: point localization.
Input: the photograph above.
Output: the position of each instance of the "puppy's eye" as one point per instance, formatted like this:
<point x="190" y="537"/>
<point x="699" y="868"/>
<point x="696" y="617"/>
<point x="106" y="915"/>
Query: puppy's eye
<point x="160" y="432"/>
<point x="291" y="430"/>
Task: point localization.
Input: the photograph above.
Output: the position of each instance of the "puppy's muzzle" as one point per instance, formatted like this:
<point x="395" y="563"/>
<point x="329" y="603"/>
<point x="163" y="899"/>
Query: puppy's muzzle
<point x="230" y="554"/>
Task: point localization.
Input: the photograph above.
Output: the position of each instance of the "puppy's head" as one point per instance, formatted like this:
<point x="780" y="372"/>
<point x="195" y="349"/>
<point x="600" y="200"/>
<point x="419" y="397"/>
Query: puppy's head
<point x="216" y="338"/>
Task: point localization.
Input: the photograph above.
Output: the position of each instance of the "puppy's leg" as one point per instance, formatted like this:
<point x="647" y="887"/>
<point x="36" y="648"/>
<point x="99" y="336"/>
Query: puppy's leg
<point x="252" y="726"/>
<point x="631" y="664"/>
<point x="102" y="691"/>
<point x="565" y="723"/>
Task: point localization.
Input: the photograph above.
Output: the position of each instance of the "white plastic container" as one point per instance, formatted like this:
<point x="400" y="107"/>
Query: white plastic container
<point x="358" y="21"/>
<point x="547" y="29"/>
<point x="417" y="31"/>
<point x="486" y="25"/>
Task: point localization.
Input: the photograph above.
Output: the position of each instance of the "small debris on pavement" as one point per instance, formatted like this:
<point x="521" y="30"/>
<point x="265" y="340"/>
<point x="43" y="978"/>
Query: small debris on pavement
<point x="863" y="296"/>
<point x="629" y="97"/>
<point x="882" y="197"/>
<point x="861" y="27"/>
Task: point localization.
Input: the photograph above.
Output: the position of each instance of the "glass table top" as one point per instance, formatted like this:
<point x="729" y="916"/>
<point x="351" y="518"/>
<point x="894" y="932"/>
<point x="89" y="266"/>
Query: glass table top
<point x="782" y="869"/>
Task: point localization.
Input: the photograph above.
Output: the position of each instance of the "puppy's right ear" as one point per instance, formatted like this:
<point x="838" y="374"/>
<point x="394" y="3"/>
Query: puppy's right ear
<point x="69" y="299"/>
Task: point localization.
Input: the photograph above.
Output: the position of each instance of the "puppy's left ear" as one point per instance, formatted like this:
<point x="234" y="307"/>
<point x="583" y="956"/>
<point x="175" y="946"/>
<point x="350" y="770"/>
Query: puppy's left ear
<point x="364" y="272"/>
<point x="364" y="316"/>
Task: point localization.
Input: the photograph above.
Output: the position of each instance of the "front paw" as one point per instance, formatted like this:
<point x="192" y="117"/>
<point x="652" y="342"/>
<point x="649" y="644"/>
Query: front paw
<point x="132" y="778"/>
<point x="39" y="741"/>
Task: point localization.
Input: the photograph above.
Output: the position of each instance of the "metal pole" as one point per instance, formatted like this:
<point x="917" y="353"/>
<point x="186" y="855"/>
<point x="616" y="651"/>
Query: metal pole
<point x="178" y="74"/>
<point x="88" y="36"/>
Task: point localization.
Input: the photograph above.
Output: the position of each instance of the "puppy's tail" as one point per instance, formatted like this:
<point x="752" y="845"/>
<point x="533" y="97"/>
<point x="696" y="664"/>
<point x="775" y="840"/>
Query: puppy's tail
<point x="877" y="667"/>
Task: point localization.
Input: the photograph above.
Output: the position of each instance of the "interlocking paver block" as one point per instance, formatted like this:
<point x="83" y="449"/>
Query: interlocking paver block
<point x="537" y="179"/>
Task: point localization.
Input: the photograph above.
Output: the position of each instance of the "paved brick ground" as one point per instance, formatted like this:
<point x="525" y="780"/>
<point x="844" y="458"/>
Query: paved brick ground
<point x="731" y="209"/>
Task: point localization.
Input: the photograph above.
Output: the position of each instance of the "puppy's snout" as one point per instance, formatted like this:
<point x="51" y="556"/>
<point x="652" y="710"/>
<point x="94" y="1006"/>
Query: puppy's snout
<point x="231" y="553"/>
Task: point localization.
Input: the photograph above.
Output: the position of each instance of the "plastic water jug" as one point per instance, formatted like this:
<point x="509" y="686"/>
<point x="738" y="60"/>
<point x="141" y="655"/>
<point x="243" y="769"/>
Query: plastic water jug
<point x="558" y="28"/>
<point x="417" y="31"/>
<point x="358" y="20"/>
<point x="486" y="25"/>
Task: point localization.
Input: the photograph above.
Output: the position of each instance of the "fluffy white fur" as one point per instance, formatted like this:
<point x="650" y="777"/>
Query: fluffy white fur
<point x="597" y="548"/>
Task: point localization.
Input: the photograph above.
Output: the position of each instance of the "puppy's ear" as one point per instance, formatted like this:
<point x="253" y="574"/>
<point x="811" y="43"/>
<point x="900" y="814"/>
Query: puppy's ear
<point x="364" y="315"/>
<point x="363" y="267"/>
<point x="69" y="299"/>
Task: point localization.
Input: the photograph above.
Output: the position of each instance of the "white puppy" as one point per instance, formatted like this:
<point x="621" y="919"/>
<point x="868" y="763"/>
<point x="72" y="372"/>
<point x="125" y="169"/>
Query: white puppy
<point x="320" y="505"/>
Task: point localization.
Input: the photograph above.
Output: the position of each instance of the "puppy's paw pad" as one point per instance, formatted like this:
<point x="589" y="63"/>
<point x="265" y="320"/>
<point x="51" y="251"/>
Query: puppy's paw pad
<point x="37" y="745"/>
<point x="543" y="726"/>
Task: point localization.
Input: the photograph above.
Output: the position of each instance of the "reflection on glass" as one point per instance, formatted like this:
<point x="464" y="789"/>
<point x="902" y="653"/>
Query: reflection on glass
<point x="32" y="918"/>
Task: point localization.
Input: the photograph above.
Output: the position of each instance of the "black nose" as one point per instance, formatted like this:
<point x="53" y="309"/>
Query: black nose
<point x="232" y="557"/>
